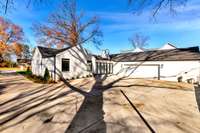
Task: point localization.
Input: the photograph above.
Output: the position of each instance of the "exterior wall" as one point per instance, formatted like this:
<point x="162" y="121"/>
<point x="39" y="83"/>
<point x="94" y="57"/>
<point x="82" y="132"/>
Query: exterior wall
<point x="39" y="64"/>
<point x="166" y="70"/>
<point x="78" y="63"/>
<point x="93" y="59"/>
<point x="169" y="70"/>
<point x="36" y="63"/>
<point x="49" y="64"/>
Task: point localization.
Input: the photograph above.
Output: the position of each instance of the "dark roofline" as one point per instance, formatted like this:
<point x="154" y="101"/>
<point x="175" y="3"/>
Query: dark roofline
<point x="194" y="49"/>
<point x="50" y="52"/>
<point x="171" y="45"/>
<point x="179" y="54"/>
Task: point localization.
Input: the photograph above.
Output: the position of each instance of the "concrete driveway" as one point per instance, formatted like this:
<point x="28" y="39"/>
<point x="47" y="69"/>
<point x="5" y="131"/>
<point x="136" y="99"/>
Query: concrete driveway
<point x="97" y="105"/>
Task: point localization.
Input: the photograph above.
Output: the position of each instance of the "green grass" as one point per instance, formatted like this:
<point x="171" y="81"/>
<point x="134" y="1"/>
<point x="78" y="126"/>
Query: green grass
<point x="9" y="69"/>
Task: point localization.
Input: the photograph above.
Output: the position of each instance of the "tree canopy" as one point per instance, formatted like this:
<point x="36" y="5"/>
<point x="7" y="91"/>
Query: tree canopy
<point x="139" y="41"/>
<point x="11" y="38"/>
<point x="155" y="6"/>
<point x="68" y="27"/>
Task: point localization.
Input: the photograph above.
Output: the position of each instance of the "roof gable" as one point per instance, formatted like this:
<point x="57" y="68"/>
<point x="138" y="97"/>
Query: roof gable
<point x="138" y="50"/>
<point x="167" y="46"/>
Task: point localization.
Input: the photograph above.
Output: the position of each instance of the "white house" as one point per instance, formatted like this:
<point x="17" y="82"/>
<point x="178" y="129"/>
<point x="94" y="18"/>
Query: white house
<point x="68" y="62"/>
<point x="166" y="63"/>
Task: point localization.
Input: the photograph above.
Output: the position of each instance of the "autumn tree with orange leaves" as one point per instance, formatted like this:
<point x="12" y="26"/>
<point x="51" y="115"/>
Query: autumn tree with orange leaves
<point x="68" y="27"/>
<point x="11" y="38"/>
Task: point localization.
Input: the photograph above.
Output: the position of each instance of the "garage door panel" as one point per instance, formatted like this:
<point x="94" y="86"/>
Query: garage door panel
<point x="141" y="71"/>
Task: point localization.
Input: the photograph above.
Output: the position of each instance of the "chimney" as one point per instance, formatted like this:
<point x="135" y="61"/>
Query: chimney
<point x="105" y="54"/>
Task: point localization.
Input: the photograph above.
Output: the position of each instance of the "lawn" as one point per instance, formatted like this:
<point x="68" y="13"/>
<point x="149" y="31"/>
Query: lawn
<point x="10" y="69"/>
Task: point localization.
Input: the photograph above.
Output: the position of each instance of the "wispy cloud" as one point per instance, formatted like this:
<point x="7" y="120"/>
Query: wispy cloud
<point x="187" y="18"/>
<point x="118" y="25"/>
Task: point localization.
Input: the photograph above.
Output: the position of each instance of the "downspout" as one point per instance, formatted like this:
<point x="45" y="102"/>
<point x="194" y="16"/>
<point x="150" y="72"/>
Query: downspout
<point x="158" y="72"/>
<point x="54" y="67"/>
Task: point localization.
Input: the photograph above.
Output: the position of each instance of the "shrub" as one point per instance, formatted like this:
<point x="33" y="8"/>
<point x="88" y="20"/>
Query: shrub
<point x="37" y="79"/>
<point x="46" y="75"/>
<point x="180" y="79"/>
<point x="28" y="71"/>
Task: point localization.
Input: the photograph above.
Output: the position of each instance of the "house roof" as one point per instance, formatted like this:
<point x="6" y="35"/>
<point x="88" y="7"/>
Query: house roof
<point x="181" y="54"/>
<point x="138" y="50"/>
<point x="178" y="54"/>
<point x="50" y="52"/>
<point x="167" y="46"/>
<point x="99" y="57"/>
<point x="20" y="61"/>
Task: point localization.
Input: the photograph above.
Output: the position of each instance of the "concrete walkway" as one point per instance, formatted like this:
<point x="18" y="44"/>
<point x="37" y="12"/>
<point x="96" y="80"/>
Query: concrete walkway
<point x="96" y="105"/>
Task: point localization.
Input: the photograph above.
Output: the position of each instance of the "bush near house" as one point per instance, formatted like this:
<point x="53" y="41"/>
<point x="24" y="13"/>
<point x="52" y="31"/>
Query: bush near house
<point x="46" y="75"/>
<point x="37" y="79"/>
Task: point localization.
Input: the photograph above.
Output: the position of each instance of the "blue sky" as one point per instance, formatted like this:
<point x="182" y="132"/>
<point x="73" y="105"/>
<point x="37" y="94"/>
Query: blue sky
<point x="118" y="23"/>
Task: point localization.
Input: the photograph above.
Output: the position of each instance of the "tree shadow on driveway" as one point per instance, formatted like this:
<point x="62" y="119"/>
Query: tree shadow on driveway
<point x="197" y="95"/>
<point x="1" y="88"/>
<point x="90" y="116"/>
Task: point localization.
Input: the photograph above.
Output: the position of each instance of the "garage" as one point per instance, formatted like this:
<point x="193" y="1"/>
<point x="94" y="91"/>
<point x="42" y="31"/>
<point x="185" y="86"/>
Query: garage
<point x="150" y="71"/>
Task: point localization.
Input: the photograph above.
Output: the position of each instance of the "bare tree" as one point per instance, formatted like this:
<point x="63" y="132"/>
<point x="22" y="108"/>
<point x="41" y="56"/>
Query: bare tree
<point x="139" y="41"/>
<point x="26" y="53"/>
<point x="68" y="27"/>
<point x="141" y="4"/>
<point x="157" y="5"/>
<point x="5" y="5"/>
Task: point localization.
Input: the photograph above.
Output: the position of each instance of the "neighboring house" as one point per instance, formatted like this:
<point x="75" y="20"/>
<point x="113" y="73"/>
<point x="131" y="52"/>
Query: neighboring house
<point x="167" y="63"/>
<point x="23" y="63"/>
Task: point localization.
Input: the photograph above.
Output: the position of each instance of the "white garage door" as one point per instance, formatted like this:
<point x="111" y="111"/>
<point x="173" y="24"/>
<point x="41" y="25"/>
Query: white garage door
<point x="141" y="71"/>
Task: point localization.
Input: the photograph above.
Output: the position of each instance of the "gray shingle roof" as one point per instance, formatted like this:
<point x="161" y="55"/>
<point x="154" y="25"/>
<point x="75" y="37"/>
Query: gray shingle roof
<point x="50" y="52"/>
<point x="181" y="54"/>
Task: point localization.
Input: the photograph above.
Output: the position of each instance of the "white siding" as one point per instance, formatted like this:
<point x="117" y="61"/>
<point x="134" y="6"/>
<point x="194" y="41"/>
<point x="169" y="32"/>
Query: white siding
<point x="36" y="63"/>
<point x="169" y="70"/>
<point x="39" y="64"/>
<point x="78" y="63"/>
<point x="49" y="64"/>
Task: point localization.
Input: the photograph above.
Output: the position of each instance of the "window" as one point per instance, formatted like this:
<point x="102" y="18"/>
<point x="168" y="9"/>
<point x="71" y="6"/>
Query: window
<point x="111" y="68"/>
<point x="108" y="68"/>
<point x="97" y="67"/>
<point x="103" y="68"/>
<point x="65" y="65"/>
<point x="89" y="66"/>
<point x="100" y="68"/>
